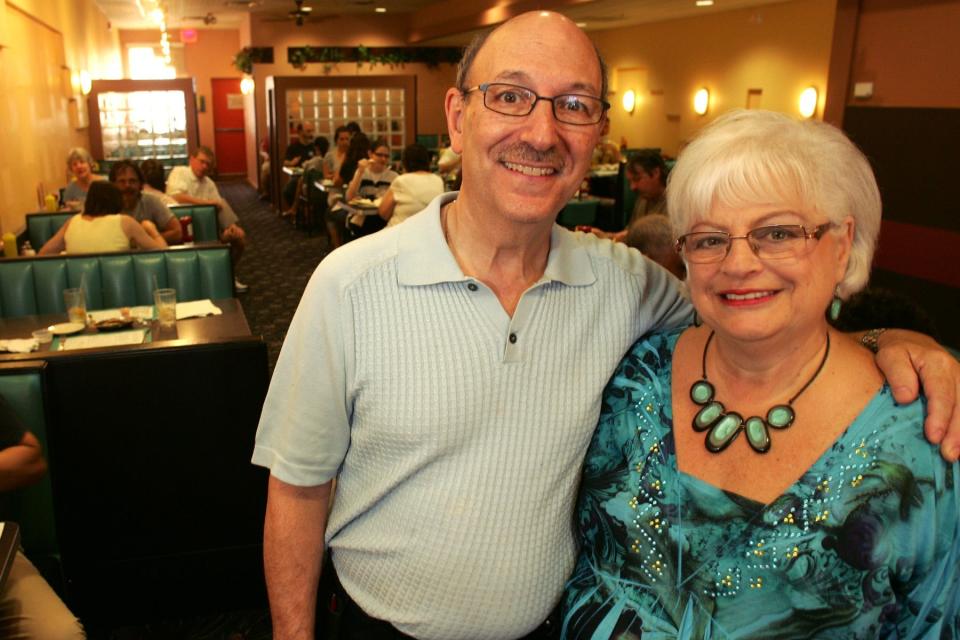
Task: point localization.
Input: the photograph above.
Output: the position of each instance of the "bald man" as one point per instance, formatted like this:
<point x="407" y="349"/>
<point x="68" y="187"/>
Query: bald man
<point x="448" y="372"/>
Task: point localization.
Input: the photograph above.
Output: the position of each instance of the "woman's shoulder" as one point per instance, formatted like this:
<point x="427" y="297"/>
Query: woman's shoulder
<point x="645" y="368"/>
<point x="656" y="346"/>
<point x="890" y="427"/>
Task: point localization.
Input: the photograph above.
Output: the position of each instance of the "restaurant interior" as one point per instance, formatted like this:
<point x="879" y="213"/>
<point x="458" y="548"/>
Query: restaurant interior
<point x="151" y="511"/>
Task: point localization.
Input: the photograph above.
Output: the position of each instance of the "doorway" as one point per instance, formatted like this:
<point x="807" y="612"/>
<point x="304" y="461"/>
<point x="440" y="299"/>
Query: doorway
<point x="228" y="127"/>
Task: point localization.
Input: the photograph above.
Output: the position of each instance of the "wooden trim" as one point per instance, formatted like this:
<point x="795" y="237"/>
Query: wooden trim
<point x="845" y="26"/>
<point x="277" y="112"/>
<point x="122" y="86"/>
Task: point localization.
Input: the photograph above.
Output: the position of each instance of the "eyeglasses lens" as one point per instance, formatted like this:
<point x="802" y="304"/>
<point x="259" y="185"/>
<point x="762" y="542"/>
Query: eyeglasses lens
<point x="777" y="242"/>
<point x="513" y="100"/>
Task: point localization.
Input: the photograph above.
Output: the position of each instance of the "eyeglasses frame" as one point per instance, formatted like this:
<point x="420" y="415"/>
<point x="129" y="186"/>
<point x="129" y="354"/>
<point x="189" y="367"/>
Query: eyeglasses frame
<point x="482" y="88"/>
<point x="815" y="234"/>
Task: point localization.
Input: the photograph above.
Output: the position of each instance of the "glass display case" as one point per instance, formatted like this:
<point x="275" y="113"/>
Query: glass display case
<point x="140" y="119"/>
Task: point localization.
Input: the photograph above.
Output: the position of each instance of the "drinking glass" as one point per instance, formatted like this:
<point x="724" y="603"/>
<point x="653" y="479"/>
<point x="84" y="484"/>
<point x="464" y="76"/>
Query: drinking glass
<point x="165" y="301"/>
<point x="76" y="303"/>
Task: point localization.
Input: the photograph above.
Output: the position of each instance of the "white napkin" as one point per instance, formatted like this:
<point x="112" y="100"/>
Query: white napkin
<point x="15" y="345"/>
<point x="197" y="309"/>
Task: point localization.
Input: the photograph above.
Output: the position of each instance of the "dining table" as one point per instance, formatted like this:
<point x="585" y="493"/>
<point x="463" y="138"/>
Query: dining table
<point x="150" y="441"/>
<point x="230" y="323"/>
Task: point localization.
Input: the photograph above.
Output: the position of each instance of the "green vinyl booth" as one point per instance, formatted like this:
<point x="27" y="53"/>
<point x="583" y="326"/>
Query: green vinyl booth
<point x="22" y="385"/>
<point x="578" y="212"/>
<point x="205" y="225"/>
<point x="42" y="225"/>
<point x="34" y="285"/>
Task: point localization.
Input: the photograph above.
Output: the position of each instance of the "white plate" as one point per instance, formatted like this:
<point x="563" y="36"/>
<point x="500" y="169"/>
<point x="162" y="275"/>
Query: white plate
<point x="66" y="328"/>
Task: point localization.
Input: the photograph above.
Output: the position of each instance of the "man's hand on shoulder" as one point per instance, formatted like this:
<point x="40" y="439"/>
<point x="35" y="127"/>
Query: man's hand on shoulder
<point x="910" y="360"/>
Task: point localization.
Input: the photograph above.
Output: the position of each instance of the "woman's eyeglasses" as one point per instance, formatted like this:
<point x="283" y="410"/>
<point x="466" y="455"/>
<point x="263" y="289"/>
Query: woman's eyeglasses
<point x="774" y="242"/>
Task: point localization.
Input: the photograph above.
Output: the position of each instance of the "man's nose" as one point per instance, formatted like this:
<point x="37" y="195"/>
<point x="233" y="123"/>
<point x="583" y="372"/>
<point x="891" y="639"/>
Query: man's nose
<point x="541" y="130"/>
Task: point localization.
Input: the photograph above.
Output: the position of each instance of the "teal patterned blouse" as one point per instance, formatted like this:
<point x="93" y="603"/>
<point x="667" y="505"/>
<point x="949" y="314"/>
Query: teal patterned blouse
<point x="864" y="545"/>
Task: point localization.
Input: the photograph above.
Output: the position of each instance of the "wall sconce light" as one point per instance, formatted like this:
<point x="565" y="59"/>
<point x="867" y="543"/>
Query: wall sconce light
<point x="808" y="102"/>
<point x="247" y="85"/>
<point x="86" y="82"/>
<point x="629" y="100"/>
<point x="701" y="101"/>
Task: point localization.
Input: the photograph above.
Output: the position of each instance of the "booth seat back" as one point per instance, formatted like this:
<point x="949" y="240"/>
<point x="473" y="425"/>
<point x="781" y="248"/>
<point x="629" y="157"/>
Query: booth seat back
<point x="42" y="226"/>
<point x="205" y="225"/>
<point x="22" y="385"/>
<point x="33" y="286"/>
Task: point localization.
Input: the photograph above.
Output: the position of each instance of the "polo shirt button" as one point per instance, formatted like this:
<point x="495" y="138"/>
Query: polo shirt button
<point x="513" y="338"/>
<point x="472" y="286"/>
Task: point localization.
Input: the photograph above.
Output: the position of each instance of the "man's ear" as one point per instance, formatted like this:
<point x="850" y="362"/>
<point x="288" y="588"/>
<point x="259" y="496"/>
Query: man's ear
<point x="454" y="106"/>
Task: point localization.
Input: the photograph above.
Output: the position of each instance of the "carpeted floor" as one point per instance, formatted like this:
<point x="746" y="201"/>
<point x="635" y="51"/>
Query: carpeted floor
<point x="278" y="261"/>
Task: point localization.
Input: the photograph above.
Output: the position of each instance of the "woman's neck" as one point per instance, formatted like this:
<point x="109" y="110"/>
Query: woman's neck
<point x="758" y="369"/>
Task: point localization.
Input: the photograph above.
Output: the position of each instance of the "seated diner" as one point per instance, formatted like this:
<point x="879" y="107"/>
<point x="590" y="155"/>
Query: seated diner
<point x="80" y="165"/>
<point x="102" y="227"/>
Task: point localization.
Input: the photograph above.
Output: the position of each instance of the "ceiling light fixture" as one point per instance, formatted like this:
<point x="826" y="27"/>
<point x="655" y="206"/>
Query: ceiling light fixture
<point x="381" y="9"/>
<point x="704" y="3"/>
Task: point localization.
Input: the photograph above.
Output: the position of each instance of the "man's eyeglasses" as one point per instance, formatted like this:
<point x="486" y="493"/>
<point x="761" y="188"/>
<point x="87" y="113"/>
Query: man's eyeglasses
<point x="514" y="100"/>
<point x="775" y="242"/>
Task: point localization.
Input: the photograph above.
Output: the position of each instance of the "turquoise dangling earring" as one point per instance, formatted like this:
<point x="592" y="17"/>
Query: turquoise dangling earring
<point x="835" y="305"/>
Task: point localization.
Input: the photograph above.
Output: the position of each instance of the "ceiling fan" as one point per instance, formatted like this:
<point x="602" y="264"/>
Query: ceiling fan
<point x="208" y="19"/>
<point x="300" y="15"/>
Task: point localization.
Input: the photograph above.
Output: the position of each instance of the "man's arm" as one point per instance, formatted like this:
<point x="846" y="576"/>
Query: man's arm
<point x="910" y="360"/>
<point x="185" y="198"/>
<point x="173" y="232"/>
<point x="293" y="533"/>
<point x="387" y="205"/>
<point x="22" y="464"/>
<point x="144" y="234"/>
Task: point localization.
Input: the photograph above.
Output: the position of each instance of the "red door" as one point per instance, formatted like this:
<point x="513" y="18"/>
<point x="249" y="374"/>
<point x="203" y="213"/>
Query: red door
<point x="229" y="140"/>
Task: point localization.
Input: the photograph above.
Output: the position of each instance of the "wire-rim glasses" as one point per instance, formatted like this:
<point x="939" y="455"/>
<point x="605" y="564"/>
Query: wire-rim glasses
<point x="773" y="242"/>
<point x="515" y="100"/>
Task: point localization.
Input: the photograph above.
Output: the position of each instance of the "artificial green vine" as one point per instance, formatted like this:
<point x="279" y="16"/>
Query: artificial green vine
<point x="299" y="57"/>
<point x="244" y="59"/>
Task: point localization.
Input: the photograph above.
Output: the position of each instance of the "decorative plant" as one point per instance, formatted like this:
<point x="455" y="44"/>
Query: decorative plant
<point x="243" y="62"/>
<point x="244" y="59"/>
<point x="299" y="57"/>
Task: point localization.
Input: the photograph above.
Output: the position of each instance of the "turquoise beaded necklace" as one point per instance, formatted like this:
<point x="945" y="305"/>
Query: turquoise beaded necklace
<point x="724" y="426"/>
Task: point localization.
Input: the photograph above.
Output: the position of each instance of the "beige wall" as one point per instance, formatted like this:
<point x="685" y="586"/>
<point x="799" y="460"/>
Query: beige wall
<point x="780" y="49"/>
<point x="43" y="43"/>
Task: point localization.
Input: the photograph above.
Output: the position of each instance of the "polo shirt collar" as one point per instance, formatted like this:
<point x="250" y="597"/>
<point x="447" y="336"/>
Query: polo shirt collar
<point x="424" y="257"/>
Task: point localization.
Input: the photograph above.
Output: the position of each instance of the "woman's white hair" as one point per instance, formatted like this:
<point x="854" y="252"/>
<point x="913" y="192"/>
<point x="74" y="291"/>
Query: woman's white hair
<point x="752" y="157"/>
<point x="79" y="153"/>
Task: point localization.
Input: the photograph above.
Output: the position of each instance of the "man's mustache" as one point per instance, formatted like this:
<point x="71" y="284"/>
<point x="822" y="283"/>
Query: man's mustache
<point x="523" y="153"/>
